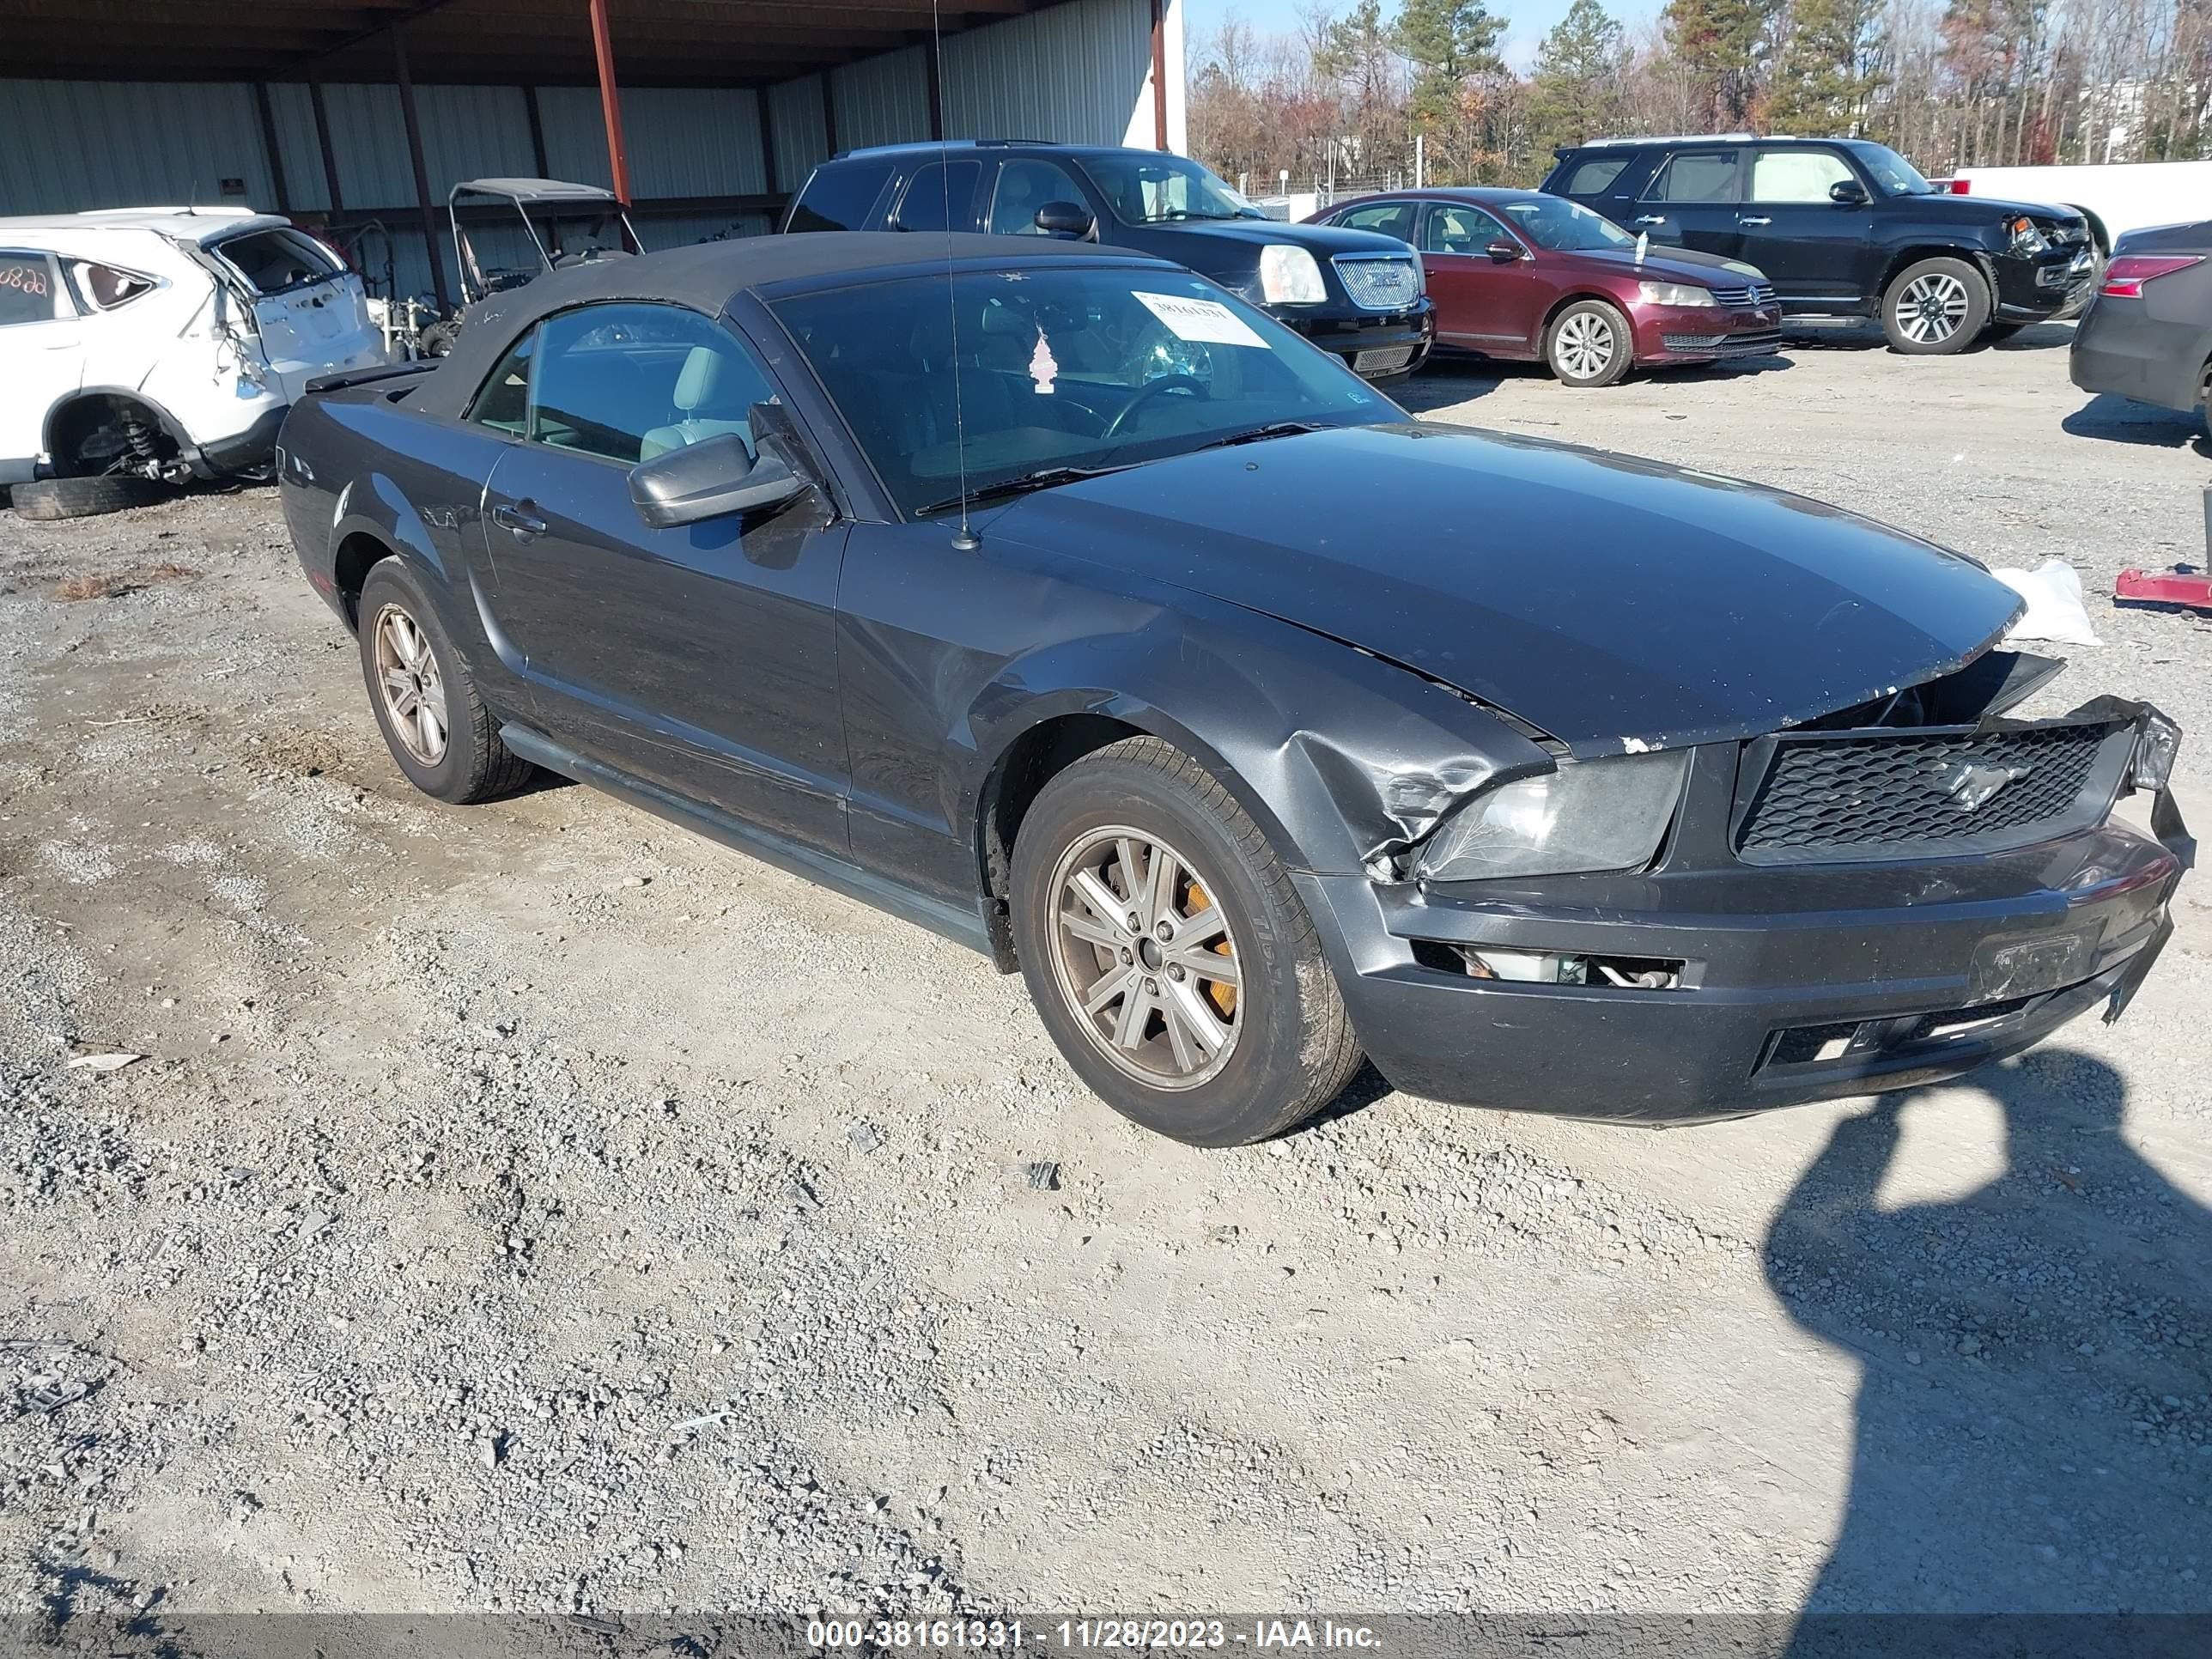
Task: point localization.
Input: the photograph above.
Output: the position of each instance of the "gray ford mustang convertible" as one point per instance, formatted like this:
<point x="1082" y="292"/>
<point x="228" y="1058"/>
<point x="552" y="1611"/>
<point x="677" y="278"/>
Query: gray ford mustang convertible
<point x="1058" y="600"/>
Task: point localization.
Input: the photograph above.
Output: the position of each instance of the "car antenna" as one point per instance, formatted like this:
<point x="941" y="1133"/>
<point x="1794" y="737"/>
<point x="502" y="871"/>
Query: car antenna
<point x="964" y="538"/>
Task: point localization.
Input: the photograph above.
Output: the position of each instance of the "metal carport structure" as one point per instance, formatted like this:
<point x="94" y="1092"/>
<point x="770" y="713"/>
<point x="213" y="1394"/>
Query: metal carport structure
<point x="358" y="116"/>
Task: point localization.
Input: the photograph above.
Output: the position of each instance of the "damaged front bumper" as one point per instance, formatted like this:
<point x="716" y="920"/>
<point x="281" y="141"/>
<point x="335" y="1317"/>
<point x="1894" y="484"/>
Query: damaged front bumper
<point x="1709" y="988"/>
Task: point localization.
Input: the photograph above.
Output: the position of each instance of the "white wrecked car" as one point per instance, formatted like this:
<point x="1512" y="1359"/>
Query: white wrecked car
<point x="140" y="347"/>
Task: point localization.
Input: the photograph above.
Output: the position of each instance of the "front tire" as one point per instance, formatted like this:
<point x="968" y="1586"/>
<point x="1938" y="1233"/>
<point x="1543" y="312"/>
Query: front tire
<point x="1589" y="344"/>
<point x="1934" y="308"/>
<point x="424" y="698"/>
<point x="1167" y="954"/>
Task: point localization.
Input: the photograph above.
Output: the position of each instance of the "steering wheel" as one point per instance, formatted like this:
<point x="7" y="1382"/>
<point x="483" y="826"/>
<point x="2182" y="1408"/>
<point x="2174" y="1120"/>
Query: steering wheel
<point x="1150" y="390"/>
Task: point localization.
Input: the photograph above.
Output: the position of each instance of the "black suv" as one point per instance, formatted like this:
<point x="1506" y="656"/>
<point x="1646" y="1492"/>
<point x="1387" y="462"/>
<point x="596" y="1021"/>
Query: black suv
<point x="1351" y="292"/>
<point x="1844" y="227"/>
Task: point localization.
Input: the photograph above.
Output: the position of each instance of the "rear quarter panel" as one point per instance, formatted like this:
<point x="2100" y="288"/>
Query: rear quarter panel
<point x="364" y="475"/>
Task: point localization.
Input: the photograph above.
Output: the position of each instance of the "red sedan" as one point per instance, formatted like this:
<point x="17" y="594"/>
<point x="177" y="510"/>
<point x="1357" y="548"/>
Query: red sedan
<point x="1519" y="274"/>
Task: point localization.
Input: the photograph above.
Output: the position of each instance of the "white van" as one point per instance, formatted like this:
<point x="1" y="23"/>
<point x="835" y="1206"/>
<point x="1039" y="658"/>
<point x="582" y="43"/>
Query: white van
<point x="143" y="346"/>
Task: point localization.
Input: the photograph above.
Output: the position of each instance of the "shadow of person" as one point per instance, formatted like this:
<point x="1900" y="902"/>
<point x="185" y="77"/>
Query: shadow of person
<point x="2033" y="1429"/>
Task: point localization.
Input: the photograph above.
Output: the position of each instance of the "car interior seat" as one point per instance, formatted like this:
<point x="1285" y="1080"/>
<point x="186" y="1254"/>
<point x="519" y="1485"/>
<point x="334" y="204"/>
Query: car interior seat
<point x="706" y="396"/>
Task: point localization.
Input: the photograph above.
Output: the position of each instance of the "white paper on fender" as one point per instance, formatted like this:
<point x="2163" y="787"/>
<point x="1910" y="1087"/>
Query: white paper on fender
<point x="1205" y="320"/>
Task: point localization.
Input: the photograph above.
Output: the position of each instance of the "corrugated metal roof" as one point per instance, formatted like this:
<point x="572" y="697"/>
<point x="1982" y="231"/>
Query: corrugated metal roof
<point x="687" y="141"/>
<point x="883" y="100"/>
<point x="1072" y="73"/>
<point x="76" y="144"/>
<point x="802" y="140"/>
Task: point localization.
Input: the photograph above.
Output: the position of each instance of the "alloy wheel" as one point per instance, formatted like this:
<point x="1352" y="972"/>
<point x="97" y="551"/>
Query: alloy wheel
<point x="1144" y="957"/>
<point x="414" y="692"/>
<point x="1585" y="345"/>
<point x="1932" y="308"/>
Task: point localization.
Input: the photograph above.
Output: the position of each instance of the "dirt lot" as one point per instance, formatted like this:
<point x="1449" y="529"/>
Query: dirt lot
<point x="531" y="1206"/>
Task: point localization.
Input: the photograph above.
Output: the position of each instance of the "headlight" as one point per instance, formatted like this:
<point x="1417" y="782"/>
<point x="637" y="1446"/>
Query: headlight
<point x="1674" y="293"/>
<point x="1289" y="276"/>
<point x="1588" y="815"/>
<point x="2026" y="238"/>
<point x="2155" y="752"/>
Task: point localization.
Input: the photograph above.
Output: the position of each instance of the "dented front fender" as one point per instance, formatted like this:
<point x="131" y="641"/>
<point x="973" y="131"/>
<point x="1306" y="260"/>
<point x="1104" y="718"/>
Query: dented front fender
<point x="1345" y="760"/>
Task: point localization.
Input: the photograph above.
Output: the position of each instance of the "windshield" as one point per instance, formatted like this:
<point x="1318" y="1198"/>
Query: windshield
<point x="1561" y="226"/>
<point x="1892" y="171"/>
<point x="1075" y="366"/>
<point x="1147" y="189"/>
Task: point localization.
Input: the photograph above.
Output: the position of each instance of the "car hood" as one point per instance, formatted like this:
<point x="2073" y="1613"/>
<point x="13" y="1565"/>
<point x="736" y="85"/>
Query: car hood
<point x="2189" y="238"/>
<point x="1984" y="209"/>
<point x="1614" y="602"/>
<point x="1661" y="265"/>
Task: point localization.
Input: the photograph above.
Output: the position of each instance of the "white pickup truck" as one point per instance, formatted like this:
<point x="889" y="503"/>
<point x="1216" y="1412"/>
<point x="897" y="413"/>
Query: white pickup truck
<point x="2116" y="198"/>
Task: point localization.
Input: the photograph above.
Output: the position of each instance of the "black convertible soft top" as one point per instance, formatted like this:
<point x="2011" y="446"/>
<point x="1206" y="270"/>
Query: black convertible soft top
<point x="707" y="276"/>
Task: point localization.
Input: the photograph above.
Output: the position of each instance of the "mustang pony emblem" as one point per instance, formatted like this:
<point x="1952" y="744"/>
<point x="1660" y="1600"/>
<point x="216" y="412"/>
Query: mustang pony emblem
<point x="1973" y="784"/>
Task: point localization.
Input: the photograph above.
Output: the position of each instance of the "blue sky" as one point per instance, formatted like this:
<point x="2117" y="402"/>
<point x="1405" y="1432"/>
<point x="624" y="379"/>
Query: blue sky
<point x="1527" y="21"/>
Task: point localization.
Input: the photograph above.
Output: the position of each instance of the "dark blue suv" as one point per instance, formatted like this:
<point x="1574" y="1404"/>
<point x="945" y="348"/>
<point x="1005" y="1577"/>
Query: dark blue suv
<point x="1354" y="293"/>
<point x="1844" y="227"/>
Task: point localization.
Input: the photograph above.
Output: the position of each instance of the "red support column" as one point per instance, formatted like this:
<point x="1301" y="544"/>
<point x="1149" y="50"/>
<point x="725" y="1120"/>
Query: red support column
<point x="611" y="101"/>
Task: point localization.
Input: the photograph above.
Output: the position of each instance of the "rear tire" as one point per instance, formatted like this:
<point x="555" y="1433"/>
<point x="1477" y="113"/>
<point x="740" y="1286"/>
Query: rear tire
<point x="85" y="498"/>
<point x="1589" y="345"/>
<point x="1215" y="1018"/>
<point x="425" y="700"/>
<point x="1934" y="308"/>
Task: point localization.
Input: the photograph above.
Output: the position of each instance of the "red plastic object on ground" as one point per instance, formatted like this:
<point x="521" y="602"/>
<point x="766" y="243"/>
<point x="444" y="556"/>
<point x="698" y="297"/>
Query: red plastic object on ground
<point x="2180" y="586"/>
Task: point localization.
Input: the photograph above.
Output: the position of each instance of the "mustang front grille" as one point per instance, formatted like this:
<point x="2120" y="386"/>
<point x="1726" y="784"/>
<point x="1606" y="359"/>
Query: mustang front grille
<point x="1757" y="293"/>
<point x="1897" y="794"/>
<point x="1384" y="283"/>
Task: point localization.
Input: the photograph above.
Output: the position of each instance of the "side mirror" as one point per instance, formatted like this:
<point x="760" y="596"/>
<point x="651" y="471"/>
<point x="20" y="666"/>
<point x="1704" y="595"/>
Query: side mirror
<point x="709" y="480"/>
<point x="1848" y="192"/>
<point x="1067" y="219"/>
<point x="1504" y="252"/>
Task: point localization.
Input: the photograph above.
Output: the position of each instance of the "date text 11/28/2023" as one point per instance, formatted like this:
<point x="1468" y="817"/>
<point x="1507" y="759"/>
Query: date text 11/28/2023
<point x="1090" y="1635"/>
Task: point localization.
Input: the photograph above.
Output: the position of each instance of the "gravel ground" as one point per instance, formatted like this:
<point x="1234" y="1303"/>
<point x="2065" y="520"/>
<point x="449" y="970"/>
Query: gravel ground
<point x="531" y="1206"/>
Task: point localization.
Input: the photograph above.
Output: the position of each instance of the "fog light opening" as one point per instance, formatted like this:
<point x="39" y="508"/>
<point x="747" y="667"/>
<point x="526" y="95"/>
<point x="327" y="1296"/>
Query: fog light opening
<point x="1558" y="968"/>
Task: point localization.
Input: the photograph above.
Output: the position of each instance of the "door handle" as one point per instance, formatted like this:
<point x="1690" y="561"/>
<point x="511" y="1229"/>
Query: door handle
<point x="526" y="527"/>
<point x="1753" y="219"/>
<point x="1652" y="219"/>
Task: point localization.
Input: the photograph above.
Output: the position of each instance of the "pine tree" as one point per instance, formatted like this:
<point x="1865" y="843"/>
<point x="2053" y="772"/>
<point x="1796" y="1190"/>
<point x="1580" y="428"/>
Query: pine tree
<point x="1450" y="43"/>
<point x="1829" y="71"/>
<point x="1577" y="90"/>
<point x="1724" y="45"/>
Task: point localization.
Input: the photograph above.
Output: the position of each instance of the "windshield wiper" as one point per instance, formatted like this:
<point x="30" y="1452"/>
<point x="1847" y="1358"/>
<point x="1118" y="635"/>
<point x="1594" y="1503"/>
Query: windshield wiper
<point x="1261" y="433"/>
<point x="1042" y="478"/>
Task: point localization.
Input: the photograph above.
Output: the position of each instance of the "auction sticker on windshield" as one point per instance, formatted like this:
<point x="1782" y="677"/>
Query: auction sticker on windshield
<point x="1206" y="321"/>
